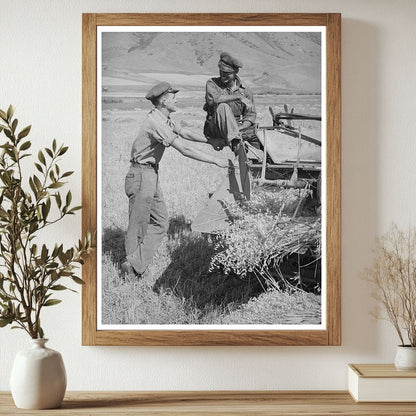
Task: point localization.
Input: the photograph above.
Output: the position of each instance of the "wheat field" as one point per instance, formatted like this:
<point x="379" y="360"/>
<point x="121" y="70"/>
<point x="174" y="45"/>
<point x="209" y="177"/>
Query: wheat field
<point x="179" y="287"/>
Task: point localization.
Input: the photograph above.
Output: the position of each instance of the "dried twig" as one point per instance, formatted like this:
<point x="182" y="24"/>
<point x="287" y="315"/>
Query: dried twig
<point x="393" y="275"/>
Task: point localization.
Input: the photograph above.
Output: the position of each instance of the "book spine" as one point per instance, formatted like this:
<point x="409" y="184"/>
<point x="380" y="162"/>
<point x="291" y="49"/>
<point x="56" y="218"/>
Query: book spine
<point x="353" y="381"/>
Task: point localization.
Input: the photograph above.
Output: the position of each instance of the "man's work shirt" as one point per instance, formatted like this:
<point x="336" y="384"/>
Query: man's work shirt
<point x="215" y="89"/>
<point x="156" y="133"/>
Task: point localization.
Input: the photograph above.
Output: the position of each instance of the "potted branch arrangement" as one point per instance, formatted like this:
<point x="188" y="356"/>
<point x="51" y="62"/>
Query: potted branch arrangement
<point x="31" y="273"/>
<point x="393" y="276"/>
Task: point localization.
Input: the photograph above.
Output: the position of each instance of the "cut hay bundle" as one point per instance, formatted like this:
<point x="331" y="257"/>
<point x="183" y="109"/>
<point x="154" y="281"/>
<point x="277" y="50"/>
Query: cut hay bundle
<point x="255" y="243"/>
<point x="263" y="233"/>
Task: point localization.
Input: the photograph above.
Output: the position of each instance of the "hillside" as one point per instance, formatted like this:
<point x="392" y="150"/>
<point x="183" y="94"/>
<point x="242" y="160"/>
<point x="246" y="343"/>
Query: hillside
<point x="283" y="61"/>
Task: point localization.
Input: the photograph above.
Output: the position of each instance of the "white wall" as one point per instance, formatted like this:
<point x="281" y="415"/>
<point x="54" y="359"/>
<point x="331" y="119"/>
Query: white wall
<point x="40" y="73"/>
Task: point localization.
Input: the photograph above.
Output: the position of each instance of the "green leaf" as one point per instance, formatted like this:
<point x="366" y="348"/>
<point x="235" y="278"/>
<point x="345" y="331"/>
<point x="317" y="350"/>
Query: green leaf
<point x="60" y="249"/>
<point x="55" y="251"/>
<point x="5" y="321"/>
<point x="51" y="302"/>
<point x="14" y="125"/>
<point x="33" y="187"/>
<point x="59" y="287"/>
<point x="37" y="183"/>
<point x="54" y="145"/>
<point x="34" y="249"/>
<point x="10" y="112"/>
<point x="8" y="133"/>
<point x="68" y="199"/>
<point x="58" y="199"/>
<point x="3" y="115"/>
<point x="62" y="257"/>
<point x="67" y="174"/>
<point x="45" y="211"/>
<point x="75" y="209"/>
<point x="24" y="132"/>
<point x="41" y="157"/>
<point x="34" y="226"/>
<point x="44" y="253"/>
<point x="49" y="152"/>
<point x="40" y="332"/>
<point x="25" y="145"/>
<point x="63" y="150"/>
<point x="56" y="185"/>
<point x="39" y="167"/>
<point x="76" y="279"/>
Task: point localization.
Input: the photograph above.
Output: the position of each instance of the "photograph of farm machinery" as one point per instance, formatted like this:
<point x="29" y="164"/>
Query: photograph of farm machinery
<point x="244" y="243"/>
<point x="272" y="164"/>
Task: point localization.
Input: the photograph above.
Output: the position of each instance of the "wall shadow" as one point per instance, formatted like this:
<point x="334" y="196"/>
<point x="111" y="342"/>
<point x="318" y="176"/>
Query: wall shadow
<point x="361" y="132"/>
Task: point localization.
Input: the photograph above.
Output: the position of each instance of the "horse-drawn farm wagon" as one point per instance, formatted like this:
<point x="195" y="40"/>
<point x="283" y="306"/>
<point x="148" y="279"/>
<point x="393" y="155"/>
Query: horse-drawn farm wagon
<point x="279" y="155"/>
<point x="280" y="164"/>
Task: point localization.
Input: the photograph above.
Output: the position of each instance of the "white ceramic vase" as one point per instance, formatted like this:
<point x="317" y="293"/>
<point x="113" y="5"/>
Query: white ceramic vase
<point x="38" y="378"/>
<point x="405" y="358"/>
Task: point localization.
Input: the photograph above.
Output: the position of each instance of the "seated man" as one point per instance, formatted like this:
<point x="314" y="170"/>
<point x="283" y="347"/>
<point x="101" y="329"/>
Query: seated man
<point x="229" y="104"/>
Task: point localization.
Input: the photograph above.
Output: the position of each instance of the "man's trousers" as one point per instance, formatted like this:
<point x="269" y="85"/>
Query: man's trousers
<point x="148" y="216"/>
<point x="222" y="124"/>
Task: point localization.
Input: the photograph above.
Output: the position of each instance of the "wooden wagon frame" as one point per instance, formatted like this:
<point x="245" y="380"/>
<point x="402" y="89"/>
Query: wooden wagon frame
<point x="265" y="159"/>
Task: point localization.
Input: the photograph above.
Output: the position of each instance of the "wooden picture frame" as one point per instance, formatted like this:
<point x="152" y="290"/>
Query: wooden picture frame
<point x="331" y="334"/>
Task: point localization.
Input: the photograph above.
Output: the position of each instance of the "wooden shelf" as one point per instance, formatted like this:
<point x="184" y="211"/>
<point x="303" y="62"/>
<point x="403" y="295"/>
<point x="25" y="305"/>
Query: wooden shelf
<point x="317" y="403"/>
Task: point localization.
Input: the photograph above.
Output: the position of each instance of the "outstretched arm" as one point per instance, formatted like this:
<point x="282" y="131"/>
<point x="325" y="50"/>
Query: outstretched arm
<point x="183" y="147"/>
<point x="192" y="136"/>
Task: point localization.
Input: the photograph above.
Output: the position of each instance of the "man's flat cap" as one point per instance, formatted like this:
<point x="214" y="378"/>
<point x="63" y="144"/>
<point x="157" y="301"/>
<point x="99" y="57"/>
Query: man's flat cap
<point x="229" y="63"/>
<point x="160" y="89"/>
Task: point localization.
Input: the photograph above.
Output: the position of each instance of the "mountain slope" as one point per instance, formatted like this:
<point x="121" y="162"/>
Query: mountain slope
<point x="285" y="60"/>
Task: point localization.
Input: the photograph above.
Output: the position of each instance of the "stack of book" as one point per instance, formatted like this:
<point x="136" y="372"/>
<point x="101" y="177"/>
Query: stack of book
<point x="381" y="383"/>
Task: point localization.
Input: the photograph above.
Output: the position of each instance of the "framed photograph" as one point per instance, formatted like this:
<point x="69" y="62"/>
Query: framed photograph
<point x="211" y="172"/>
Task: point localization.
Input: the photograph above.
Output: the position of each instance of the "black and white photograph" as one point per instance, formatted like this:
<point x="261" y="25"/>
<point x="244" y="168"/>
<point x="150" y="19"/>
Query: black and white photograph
<point x="211" y="153"/>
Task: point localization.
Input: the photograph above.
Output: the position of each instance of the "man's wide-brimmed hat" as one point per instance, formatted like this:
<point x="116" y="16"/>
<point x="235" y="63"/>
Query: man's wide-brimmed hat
<point x="160" y="89"/>
<point x="229" y="63"/>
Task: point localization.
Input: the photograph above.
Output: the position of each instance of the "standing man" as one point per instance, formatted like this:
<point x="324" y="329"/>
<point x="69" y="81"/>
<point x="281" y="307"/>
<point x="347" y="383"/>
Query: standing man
<point x="229" y="104"/>
<point x="148" y="216"/>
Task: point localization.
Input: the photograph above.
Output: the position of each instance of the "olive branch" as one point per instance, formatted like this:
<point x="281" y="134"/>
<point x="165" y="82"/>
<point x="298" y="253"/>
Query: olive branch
<point x="31" y="274"/>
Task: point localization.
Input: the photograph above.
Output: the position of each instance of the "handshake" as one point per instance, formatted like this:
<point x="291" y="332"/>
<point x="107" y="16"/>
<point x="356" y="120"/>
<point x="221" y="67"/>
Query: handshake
<point x="216" y="143"/>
